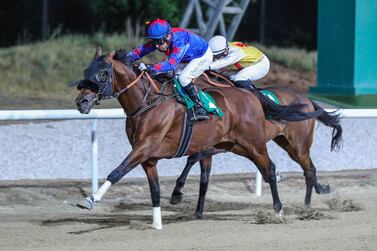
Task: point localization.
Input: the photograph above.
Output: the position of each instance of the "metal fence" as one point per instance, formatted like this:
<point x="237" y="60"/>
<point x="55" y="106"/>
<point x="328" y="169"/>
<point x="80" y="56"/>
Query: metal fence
<point x="95" y="114"/>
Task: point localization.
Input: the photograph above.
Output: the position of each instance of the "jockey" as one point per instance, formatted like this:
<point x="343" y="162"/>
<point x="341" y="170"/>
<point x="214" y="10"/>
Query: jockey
<point x="249" y="62"/>
<point x="181" y="46"/>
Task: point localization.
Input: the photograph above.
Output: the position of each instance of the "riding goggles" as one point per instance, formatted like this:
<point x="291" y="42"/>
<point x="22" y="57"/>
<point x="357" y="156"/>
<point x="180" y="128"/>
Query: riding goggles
<point x="159" y="41"/>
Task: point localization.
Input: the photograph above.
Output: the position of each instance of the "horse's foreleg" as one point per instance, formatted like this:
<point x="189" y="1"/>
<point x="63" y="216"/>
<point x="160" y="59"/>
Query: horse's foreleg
<point x="267" y="169"/>
<point x="154" y="186"/>
<point x="138" y="155"/>
<point x="205" y="169"/>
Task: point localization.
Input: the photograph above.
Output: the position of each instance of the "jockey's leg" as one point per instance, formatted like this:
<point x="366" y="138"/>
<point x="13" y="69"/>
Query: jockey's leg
<point x="191" y="71"/>
<point x="245" y="84"/>
<point x="200" y="112"/>
<point x="244" y="78"/>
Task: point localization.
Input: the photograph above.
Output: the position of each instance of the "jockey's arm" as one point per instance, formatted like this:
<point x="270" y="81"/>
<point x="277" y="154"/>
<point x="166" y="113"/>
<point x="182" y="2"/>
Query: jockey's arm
<point x="234" y="55"/>
<point x="179" y="50"/>
<point x="141" y="51"/>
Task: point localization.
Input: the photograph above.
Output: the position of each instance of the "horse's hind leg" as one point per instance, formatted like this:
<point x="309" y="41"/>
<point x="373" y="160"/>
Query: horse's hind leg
<point x="300" y="153"/>
<point x="177" y="195"/>
<point x="205" y="169"/>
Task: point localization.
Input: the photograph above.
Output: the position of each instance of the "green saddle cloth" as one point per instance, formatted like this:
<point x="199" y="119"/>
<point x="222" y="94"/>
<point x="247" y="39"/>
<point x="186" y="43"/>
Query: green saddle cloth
<point x="271" y="95"/>
<point x="208" y="102"/>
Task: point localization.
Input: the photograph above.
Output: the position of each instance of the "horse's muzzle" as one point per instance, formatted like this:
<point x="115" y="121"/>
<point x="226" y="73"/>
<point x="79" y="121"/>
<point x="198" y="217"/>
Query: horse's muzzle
<point x="85" y="104"/>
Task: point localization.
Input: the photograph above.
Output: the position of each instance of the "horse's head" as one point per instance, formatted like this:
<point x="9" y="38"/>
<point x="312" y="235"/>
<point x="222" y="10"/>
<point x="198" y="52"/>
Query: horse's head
<point x="96" y="85"/>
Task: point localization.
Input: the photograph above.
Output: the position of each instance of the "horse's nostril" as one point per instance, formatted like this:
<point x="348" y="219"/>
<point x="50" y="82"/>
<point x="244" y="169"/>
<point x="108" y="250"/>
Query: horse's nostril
<point x="84" y="102"/>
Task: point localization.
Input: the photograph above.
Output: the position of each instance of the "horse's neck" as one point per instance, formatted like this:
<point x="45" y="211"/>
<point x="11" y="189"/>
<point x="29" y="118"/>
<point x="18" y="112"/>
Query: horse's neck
<point x="130" y="99"/>
<point x="133" y="98"/>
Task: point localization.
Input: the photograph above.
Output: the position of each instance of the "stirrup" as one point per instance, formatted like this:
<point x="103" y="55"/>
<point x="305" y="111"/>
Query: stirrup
<point x="200" y="114"/>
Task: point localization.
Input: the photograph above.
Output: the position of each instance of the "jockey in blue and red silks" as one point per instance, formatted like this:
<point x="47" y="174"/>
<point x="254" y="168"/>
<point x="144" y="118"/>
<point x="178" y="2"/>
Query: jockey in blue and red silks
<point x="182" y="47"/>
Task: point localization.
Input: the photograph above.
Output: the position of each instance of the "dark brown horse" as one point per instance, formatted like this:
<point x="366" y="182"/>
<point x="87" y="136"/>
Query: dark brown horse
<point x="154" y="133"/>
<point x="295" y="138"/>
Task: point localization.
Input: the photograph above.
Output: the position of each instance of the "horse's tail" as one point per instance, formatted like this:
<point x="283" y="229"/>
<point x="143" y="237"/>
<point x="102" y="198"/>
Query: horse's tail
<point x="330" y="119"/>
<point x="292" y="112"/>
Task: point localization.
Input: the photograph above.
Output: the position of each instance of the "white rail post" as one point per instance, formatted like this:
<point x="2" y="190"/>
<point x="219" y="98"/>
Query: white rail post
<point x="258" y="183"/>
<point x="94" y="156"/>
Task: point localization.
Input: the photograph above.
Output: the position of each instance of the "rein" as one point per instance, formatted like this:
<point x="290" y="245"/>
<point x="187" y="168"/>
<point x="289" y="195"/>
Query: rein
<point x="153" y="84"/>
<point x="229" y="83"/>
<point x="152" y="103"/>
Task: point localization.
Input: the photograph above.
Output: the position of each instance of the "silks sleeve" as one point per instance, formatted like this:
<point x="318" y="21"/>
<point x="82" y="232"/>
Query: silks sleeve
<point x="141" y="51"/>
<point x="178" y="51"/>
<point x="234" y="55"/>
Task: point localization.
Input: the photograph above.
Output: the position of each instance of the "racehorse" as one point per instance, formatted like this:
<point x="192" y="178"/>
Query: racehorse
<point x="154" y="132"/>
<point x="295" y="138"/>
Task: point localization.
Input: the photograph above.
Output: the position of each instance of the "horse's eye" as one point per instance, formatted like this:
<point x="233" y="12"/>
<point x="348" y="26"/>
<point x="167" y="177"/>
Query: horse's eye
<point x="102" y="76"/>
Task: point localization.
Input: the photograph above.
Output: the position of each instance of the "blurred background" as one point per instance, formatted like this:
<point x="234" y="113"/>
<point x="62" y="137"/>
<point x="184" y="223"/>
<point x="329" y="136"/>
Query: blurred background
<point x="45" y="44"/>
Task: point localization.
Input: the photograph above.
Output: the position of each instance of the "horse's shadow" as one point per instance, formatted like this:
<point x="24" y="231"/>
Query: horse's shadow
<point x="136" y="219"/>
<point x="183" y="212"/>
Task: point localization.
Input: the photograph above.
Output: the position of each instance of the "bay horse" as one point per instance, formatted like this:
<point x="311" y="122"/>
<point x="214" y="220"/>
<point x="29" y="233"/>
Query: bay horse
<point x="154" y="133"/>
<point x="295" y="138"/>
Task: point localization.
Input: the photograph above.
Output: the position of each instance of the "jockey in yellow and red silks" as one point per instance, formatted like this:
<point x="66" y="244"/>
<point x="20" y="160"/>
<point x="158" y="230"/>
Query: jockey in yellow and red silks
<point x="183" y="48"/>
<point x="249" y="63"/>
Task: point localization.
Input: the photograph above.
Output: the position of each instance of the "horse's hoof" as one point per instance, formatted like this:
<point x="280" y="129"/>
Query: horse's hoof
<point x="278" y="207"/>
<point x="157" y="225"/>
<point x="280" y="214"/>
<point x="87" y="203"/>
<point x="176" y="198"/>
<point x="198" y="215"/>
<point x="325" y="189"/>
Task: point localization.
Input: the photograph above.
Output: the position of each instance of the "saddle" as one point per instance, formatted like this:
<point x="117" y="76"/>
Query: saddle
<point x="208" y="102"/>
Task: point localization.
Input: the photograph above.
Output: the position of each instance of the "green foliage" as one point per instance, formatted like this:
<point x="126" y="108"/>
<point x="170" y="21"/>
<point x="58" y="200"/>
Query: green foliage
<point x="115" y="12"/>
<point x="292" y="57"/>
<point x="41" y="71"/>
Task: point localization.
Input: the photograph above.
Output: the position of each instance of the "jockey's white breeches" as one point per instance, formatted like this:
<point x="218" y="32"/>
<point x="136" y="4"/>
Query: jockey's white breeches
<point x="253" y="72"/>
<point x="194" y="68"/>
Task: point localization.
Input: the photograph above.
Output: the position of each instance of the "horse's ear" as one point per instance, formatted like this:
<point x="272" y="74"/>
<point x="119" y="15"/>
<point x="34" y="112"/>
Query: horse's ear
<point x="98" y="52"/>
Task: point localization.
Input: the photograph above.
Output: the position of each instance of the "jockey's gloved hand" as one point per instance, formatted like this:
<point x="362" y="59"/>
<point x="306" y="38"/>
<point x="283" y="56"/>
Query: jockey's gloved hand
<point x="145" y="67"/>
<point x="121" y="55"/>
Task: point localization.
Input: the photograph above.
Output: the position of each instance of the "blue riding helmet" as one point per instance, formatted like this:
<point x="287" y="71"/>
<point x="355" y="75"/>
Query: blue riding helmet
<point x="158" y="29"/>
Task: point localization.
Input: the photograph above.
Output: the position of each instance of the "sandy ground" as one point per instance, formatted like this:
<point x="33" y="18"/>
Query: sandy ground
<point x="40" y="215"/>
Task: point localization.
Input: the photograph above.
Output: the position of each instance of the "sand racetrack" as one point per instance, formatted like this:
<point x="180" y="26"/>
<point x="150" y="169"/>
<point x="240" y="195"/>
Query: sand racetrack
<point x="39" y="215"/>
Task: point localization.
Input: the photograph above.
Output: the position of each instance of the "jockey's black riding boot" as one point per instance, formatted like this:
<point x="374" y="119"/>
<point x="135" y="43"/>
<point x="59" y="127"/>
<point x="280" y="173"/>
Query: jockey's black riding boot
<point x="200" y="112"/>
<point x="246" y="84"/>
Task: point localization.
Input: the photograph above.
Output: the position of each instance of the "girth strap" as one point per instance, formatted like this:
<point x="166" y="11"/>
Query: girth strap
<point x="186" y="134"/>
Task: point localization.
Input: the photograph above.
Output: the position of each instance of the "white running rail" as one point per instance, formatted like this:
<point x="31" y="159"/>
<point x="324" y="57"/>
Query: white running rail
<point x="12" y="115"/>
